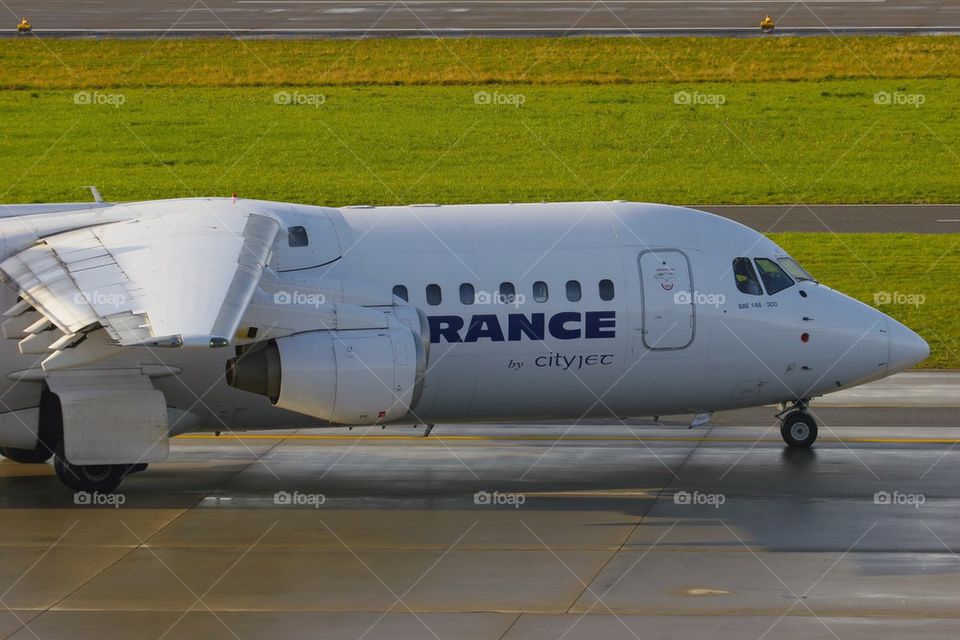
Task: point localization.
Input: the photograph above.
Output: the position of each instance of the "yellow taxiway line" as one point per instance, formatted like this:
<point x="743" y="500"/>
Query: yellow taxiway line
<point x="534" y="438"/>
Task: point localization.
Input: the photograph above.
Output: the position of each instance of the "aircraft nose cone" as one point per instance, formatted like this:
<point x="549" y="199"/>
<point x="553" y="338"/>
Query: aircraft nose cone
<point x="906" y="347"/>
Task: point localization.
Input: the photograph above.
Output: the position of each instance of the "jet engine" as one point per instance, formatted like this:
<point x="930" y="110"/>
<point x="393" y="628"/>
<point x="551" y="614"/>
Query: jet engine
<point x="351" y="377"/>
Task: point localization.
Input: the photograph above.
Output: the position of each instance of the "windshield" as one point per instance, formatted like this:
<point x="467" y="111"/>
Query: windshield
<point x="774" y="278"/>
<point x="794" y="269"/>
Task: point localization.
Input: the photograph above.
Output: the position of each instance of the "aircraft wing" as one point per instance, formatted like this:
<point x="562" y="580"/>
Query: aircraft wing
<point x="174" y="279"/>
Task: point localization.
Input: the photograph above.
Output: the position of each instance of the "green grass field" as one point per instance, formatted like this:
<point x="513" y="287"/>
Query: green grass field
<point x="773" y="142"/>
<point x="680" y="120"/>
<point x="34" y="63"/>
<point x="687" y="121"/>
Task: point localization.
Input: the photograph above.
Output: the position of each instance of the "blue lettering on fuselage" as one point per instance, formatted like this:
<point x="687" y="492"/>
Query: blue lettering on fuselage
<point x="566" y="325"/>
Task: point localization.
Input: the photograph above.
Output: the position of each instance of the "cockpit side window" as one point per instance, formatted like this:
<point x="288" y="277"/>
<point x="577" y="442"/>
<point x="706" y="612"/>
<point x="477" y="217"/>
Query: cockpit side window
<point x="746" y="277"/>
<point x="775" y="279"/>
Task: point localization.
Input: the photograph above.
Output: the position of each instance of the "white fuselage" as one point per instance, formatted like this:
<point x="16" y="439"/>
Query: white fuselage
<point x="640" y="314"/>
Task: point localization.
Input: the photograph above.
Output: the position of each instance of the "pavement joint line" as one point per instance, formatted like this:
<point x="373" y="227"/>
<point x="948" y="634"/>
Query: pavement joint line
<point x="141" y="544"/>
<point x="443" y="2"/>
<point x="623" y="543"/>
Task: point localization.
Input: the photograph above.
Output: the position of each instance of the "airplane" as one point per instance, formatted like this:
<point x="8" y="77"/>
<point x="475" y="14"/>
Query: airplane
<point x="129" y="324"/>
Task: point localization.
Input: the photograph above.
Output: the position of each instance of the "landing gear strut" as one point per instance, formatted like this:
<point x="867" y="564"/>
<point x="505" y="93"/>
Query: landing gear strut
<point x="93" y="478"/>
<point x="798" y="428"/>
<point x="49" y="435"/>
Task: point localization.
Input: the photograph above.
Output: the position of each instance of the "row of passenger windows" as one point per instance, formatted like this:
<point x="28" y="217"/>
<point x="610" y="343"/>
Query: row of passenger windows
<point x="507" y="293"/>
<point x="774" y="274"/>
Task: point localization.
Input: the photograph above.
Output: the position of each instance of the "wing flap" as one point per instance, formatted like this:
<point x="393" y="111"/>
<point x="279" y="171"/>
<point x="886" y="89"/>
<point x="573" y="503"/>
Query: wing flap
<point x="182" y="278"/>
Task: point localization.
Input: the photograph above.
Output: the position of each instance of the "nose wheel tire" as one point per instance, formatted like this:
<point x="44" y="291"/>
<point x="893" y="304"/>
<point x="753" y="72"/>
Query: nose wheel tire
<point x="799" y="429"/>
<point x="38" y="455"/>
<point x="93" y="478"/>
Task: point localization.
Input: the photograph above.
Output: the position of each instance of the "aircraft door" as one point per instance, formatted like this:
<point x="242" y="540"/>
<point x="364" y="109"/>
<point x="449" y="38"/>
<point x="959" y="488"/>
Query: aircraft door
<point x="669" y="319"/>
<point x="308" y="241"/>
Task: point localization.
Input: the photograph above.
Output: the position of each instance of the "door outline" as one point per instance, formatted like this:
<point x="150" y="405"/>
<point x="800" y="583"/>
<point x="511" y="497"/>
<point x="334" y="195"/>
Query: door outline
<point x="643" y="300"/>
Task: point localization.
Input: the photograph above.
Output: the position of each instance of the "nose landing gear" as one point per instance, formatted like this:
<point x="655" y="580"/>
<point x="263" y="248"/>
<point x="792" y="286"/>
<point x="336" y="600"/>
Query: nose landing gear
<point x="797" y="427"/>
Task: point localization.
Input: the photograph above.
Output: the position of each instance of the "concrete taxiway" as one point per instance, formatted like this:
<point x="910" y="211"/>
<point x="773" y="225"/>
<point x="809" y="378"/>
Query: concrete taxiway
<point x="832" y="218"/>
<point x="492" y="531"/>
<point x="173" y="18"/>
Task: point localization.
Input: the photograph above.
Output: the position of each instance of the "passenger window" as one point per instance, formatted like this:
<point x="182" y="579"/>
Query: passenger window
<point x="775" y="279"/>
<point x="400" y="291"/>
<point x="297" y="237"/>
<point x="606" y="289"/>
<point x="746" y="277"/>
<point x="540" y="292"/>
<point x="573" y="291"/>
<point x="508" y="293"/>
<point x="467" y="293"/>
<point x="433" y="294"/>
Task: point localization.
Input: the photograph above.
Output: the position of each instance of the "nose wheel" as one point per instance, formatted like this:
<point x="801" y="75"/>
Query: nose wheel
<point x="799" y="429"/>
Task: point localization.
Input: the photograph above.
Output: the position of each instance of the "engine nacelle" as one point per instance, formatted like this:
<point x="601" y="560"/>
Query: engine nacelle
<point x="354" y="377"/>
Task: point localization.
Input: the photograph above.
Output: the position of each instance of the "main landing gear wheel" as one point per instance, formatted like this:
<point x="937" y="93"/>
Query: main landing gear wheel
<point x="93" y="478"/>
<point x="38" y="455"/>
<point x="799" y="429"/>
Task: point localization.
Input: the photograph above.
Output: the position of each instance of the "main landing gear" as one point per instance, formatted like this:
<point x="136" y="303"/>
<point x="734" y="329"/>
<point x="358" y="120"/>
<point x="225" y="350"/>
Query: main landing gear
<point x="93" y="478"/>
<point x="98" y="478"/>
<point x="797" y="427"/>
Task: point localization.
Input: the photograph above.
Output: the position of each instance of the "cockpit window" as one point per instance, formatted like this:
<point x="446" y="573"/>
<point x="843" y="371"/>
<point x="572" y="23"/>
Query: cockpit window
<point x="746" y="277"/>
<point x="775" y="279"/>
<point x="795" y="270"/>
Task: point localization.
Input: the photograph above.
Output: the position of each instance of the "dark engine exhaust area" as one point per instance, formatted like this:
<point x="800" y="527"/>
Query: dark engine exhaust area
<point x="257" y="369"/>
